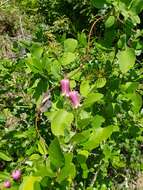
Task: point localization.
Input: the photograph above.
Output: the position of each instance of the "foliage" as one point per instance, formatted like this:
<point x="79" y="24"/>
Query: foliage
<point x="97" y="145"/>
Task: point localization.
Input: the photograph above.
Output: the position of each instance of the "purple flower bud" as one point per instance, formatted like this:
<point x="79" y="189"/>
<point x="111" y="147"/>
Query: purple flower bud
<point x="7" y="184"/>
<point x="65" y="87"/>
<point x="16" y="175"/>
<point x="75" y="98"/>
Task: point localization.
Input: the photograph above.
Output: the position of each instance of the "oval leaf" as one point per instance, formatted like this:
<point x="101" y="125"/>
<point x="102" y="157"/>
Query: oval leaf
<point x="92" y="98"/>
<point x="70" y="45"/>
<point x="126" y="59"/>
<point x="100" y="83"/>
<point x="55" y="153"/>
<point x="67" y="58"/>
<point x="110" y="22"/>
<point x="29" y="182"/>
<point x="42" y="147"/>
<point x="84" y="88"/>
<point x="61" y="121"/>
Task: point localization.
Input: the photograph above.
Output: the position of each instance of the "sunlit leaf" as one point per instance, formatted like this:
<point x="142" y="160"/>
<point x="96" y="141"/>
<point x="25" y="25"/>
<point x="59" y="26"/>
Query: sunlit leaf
<point x="69" y="170"/>
<point x="61" y="121"/>
<point x="55" y="153"/>
<point x="29" y="182"/>
<point x="70" y="45"/>
<point x="126" y="59"/>
<point x="100" y="83"/>
<point x="92" y="98"/>
<point x="42" y="147"/>
<point x="97" y="121"/>
<point x="5" y="157"/>
<point x="98" y="135"/>
<point x="136" y="101"/>
<point x="84" y="88"/>
<point x="67" y="58"/>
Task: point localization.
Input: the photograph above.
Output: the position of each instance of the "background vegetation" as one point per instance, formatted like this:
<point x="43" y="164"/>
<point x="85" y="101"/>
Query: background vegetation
<point x="98" y="46"/>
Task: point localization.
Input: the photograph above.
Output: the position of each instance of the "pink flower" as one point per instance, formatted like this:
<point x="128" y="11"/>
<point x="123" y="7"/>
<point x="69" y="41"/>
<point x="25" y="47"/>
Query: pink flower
<point x="16" y="175"/>
<point x="75" y="99"/>
<point x="65" y="87"/>
<point x="7" y="184"/>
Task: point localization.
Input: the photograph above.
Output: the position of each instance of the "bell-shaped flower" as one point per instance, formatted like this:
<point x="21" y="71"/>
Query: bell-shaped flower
<point x="74" y="98"/>
<point x="16" y="175"/>
<point x="7" y="184"/>
<point x="65" y="87"/>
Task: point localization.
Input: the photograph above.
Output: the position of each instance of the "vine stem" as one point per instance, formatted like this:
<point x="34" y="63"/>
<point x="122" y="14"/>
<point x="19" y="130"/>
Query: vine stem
<point x="91" y="29"/>
<point x="36" y="125"/>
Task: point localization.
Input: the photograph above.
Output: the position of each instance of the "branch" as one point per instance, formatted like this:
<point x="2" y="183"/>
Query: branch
<point x="95" y="175"/>
<point x="91" y="29"/>
<point x="21" y="27"/>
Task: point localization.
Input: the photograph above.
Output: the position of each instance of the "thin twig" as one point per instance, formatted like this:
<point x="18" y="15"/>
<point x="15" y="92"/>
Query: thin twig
<point x="128" y="24"/>
<point x="36" y="125"/>
<point x="95" y="175"/>
<point x="91" y="29"/>
<point x="21" y="27"/>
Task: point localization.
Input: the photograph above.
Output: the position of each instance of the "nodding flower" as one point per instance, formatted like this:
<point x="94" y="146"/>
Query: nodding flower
<point x="65" y="87"/>
<point x="75" y="98"/>
<point x="7" y="184"/>
<point x="16" y="175"/>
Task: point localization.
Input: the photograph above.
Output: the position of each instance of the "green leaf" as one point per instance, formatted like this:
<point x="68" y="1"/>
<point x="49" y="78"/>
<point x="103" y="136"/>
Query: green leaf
<point x="98" y="3"/>
<point x="15" y="187"/>
<point x="55" y="153"/>
<point x="2" y="118"/>
<point x="41" y="87"/>
<point x="82" y="157"/>
<point x="72" y="84"/>
<point x="82" y="39"/>
<point x="44" y="168"/>
<point x="5" y="157"/>
<point x="42" y="147"/>
<point x="130" y="87"/>
<point x="29" y="182"/>
<point x="61" y="122"/>
<point x="55" y="69"/>
<point x="110" y="22"/>
<point x="67" y="58"/>
<point x="117" y="162"/>
<point x="136" y="101"/>
<point x="137" y="6"/>
<point x="99" y="135"/>
<point x="44" y="171"/>
<point x="97" y="121"/>
<point x="35" y="157"/>
<point x="122" y="41"/>
<point x="74" y="74"/>
<point x="4" y="175"/>
<point x="100" y="83"/>
<point x="82" y="137"/>
<point x="126" y="59"/>
<point x="36" y="50"/>
<point x="92" y="98"/>
<point x="70" y="45"/>
<point x="84" y="119"/>
<point x="69" y="170"/>
<point x="84" y="88"/>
